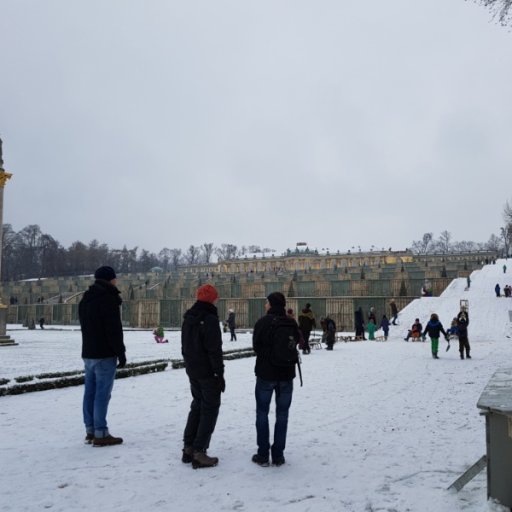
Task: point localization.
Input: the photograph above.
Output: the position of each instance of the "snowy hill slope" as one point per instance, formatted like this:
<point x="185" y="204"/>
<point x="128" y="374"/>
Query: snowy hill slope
<point x="489" y="315"/>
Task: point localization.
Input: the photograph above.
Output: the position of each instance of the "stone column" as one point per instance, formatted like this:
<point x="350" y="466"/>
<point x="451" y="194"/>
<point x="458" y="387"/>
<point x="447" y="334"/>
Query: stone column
<point x="4" y="177"/>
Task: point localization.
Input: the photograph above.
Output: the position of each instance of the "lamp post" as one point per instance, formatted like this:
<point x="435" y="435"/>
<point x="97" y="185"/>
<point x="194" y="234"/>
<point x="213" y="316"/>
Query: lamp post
<point x="4" y="177"/>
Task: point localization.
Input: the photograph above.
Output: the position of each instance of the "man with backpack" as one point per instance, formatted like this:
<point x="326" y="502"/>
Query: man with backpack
<point x="275" y="338"/>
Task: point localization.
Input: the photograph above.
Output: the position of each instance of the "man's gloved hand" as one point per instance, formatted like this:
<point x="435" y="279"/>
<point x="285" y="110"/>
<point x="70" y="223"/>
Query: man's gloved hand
<point x="122" y="361"/>
<point x="221" y="382"/>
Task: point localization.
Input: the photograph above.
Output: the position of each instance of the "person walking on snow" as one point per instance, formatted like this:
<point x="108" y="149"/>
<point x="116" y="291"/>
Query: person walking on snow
<point x="384" y="325"/>
<point x="497" y="290"/>
<point x="434" y="328"/>
<point x="394" y="311"/>
<point x="504" y="269"/>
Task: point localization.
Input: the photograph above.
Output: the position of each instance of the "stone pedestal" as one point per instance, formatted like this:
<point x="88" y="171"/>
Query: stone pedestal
<point x="5" y="340"/>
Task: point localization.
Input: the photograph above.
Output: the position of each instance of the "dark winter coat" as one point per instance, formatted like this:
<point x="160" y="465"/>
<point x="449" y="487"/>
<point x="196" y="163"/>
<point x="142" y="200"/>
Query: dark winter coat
<point x="359" y="322"/>
<point x="462" y="324"/>
<point x="330" y="331"/>
<point x="100" y="319"/>
<point x="307" y="320"/>
<point x="433" y="329"/>
<point x="384" y="325"/>
<point x="264" y="369"/>
<point x="231" y="321"/>
<point x="201" y="341"/>
<point x="394" y="309"/>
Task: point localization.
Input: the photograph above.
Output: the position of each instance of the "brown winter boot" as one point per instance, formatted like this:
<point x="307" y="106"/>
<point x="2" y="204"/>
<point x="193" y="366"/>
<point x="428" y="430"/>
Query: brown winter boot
<point x="107" y="441"/>
<point x="188" y="452"/>
<point x="201" y="460"/>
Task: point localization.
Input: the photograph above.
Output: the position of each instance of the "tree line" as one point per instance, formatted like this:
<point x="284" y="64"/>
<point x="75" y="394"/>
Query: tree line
<point x="30" y="253"/>
<point x="445" y="244"/>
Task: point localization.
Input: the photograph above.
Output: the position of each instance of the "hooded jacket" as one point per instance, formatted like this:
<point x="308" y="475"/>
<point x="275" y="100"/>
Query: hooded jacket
<point x="306" y="320"/>
<point x="201" y="341"/>
<point x="100" y="320"/>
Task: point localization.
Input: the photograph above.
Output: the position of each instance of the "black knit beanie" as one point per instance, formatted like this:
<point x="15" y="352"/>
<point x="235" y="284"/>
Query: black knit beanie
<point x="277" y="300"/>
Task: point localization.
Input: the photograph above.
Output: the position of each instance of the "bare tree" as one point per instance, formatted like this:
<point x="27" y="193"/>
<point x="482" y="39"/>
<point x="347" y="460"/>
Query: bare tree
<point x="192" y="255"/>
<point x="227" y="252"/>
<point x="422" y="246"/>
<point x="498" y="8"/>
<point x="443" y="243"/>
<point x="207" y="250"/>
<point x="176" y="257"/>
<point x="494" y="243"/>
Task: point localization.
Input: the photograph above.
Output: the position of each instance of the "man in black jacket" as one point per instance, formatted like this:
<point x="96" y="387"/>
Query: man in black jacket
<point x="269" y="379"/>
<point x="201" y="346"/>
<point x="102" y="348"/>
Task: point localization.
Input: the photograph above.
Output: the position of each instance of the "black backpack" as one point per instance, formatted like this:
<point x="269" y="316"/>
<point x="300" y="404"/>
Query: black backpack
<point x="284" y="338"/>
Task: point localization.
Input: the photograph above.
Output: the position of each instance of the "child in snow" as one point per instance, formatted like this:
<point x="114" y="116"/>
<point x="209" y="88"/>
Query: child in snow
<point x="415" y="331"/>
<point x="453" y="330"/>
<point x="371" y="329"/>
<point x="434" y="328"/>
<point x="384" y="325"/>
<point x="158" y="334"/>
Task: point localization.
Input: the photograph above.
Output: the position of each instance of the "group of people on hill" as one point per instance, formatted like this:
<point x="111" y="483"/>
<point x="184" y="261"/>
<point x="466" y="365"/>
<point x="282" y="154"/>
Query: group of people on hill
<point x="507" y="290"/>
<point x="434" y="328"/>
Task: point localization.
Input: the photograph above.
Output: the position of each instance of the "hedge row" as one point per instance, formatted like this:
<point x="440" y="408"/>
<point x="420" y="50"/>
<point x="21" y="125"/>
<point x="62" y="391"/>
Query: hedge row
<point x="229" y="355"/>
<point x="76" y="378"/>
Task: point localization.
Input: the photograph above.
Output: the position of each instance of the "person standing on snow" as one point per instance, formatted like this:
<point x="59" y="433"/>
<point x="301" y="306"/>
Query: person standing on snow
<point x="372" y="326"/>
<point x="462" y="332"/>
<point x="102" y="347"/>
<point x="201" y="347"/>
<point x="231" y="324"/>
<point x="270" y="379"/>
<point x="330" y="332"/>
<point x="306" y="324"/>
<point x="434" y="328"/>
<point x="384" y="325"/>
<point x="359" y="323"/>
<point x="497" y="289"/>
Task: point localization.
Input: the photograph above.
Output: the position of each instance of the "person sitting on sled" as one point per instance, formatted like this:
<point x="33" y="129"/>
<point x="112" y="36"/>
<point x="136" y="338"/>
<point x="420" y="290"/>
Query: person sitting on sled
<point x="158" y="334"/>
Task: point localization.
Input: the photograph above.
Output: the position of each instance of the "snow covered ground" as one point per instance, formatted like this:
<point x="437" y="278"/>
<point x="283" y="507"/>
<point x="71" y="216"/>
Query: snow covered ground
<point x="376" y="426"/>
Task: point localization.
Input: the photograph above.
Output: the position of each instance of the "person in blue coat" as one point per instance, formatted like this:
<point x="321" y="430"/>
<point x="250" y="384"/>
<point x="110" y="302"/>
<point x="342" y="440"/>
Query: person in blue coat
<point x="497" y="290"/>
<point x="434" y="328"/>
<point x="384" y="325"/>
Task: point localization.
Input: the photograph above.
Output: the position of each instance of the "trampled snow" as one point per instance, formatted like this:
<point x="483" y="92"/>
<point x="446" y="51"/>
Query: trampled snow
<point x="377" y="426"/>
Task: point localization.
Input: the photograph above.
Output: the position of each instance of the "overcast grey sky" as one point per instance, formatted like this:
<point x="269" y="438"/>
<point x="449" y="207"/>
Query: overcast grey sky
<point x="158" y="123"/>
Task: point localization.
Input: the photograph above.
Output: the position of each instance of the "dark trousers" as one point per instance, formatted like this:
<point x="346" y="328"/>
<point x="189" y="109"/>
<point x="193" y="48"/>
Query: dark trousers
<point x="204" y="410"/>
<point x="306" y="349"/>
<point x="464" y="344"/>
<point x="233" y="335"/>
<point x="283" y="391"/>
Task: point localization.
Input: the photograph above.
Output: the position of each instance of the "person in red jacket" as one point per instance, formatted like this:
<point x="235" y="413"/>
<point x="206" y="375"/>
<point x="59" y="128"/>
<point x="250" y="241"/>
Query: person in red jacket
<point x="201" y="347"/>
